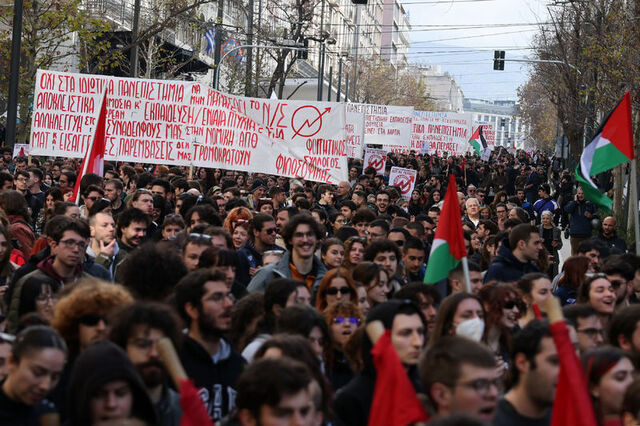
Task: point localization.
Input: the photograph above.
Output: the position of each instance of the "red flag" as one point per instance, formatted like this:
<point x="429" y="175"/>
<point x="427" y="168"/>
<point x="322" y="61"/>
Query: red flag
<point x="193" y="411"/>
<point x="572" y="405"/>
<point x="21" y="153"/>
<point x="93" y="161"/>
<point x="394" y="400"/>
<point x="464" y="162"/>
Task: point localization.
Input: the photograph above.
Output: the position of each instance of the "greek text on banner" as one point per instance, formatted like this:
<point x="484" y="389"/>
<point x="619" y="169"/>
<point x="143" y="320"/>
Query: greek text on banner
<point x="185" y="123"/>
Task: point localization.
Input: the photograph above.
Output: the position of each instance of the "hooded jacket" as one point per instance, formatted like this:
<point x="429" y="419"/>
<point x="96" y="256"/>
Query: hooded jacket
<point x="505" y="267"/>
<point x="353" y="402"/>
<point x="281" y="269"/>
<point x="98" y="365"/>
<point x="216" y="378"/>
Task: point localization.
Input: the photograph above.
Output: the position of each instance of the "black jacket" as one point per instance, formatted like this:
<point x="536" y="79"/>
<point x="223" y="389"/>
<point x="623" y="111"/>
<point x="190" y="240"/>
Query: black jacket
<point x="216" y="381"/>
<point x="505" y="267"/>
<point x="353" y="402"/>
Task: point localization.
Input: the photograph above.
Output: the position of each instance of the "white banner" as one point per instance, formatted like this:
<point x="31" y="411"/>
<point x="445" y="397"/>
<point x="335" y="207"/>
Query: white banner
<point x="185" y="123"/>
<point x="488" y="130"/>
<point x="376" y="158"/>
<point x="354" y="131"/>
<point x="405" y="179"/>
<point x="386" y="124"/>
<point x="437" y="131"/>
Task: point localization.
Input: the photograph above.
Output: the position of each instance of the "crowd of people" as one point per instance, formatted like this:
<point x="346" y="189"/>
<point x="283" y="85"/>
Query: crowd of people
<point x="265" y="285"/>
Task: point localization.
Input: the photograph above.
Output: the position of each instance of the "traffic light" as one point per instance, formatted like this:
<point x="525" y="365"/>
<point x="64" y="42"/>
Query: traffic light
<point x="304" y="53"/>
<point x="498" y="60"/>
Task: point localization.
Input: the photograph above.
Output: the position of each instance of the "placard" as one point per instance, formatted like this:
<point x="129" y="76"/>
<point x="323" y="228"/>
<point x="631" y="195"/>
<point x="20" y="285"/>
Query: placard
<point x="20" y="150"/>
<point x="185" y="123"/>
<point x="354" y="131"/>
<point x="386" y="124"/>
<point x="405" y="179"/>
<point x="437" y="131"/>
<point x="376" y="158"/>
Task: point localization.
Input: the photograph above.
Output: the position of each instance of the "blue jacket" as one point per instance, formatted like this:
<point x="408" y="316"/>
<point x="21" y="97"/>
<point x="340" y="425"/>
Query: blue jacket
<point x="579" y="224"/>
<point x="506" y="268"/>
<point x="281" y="269"/>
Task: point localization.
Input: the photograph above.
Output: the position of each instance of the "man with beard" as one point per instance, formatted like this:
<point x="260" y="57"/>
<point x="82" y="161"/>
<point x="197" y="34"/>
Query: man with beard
<point x="103" y="247"/>
<point x="299" y="262"/>
<point x="132" y="228"/>
<point x="624" y="331"/>
<point x="136" y="329"/>
<point x="204" y="302"/>
<point x="534" y="369"/>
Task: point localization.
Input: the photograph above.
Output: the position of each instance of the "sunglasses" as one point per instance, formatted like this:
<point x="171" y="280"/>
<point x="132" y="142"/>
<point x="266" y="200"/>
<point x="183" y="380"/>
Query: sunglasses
<point x="270" y="230"/>
<point x="91" y="320"/>
<point x="617" y="283"/>
<point x="342" y="320"/>
<point x="332" y="291"/>
<point x="510" y="304"/>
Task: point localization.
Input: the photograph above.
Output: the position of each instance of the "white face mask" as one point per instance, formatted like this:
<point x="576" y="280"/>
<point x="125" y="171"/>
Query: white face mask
<point x="471" y="329"/>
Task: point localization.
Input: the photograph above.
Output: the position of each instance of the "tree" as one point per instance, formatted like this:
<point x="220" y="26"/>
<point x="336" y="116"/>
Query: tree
<point x="379" y="82"/>
<point x="537" y="111"/>
<point x="49" y="28"/>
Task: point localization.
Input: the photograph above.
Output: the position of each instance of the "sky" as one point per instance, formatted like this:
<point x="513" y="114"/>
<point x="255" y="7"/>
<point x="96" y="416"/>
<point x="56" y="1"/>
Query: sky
<point x="466" y="52"/>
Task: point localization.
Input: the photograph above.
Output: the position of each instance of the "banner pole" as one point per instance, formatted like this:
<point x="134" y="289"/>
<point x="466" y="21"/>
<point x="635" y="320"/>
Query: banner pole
<point x="634" y="201"/>
<point x="465" y="270"/>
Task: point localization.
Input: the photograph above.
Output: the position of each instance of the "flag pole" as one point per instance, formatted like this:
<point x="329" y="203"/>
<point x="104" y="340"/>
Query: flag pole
<point x="634" y="201"/>
<point x="465" y="270"/>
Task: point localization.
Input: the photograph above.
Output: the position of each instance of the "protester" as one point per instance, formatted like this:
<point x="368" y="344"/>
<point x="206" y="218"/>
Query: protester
<point x="204" y="303"/>
<point x="136" y="329"/>
<point x="609" y="371"/>
<point x="459" y="376"/>
<point x="534" y="376"/>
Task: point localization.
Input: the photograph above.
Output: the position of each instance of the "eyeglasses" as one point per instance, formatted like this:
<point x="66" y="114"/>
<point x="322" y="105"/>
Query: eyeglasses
<point x="91" y="320"/>
<point x="592" y="332"/>
<point x="342" y="320"/>
<point x="81" y="245"/>
<point x="483" y="386"/>
<point x="617" y="283"/>
<point x="332" y="291"/>
<point x="44" y="298"/>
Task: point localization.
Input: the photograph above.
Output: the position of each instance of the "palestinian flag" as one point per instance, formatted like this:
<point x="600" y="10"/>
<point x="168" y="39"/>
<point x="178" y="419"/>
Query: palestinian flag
<point x="613" y="145"/>
<point x="448" y="243"/>
<point x="478" y="141"/>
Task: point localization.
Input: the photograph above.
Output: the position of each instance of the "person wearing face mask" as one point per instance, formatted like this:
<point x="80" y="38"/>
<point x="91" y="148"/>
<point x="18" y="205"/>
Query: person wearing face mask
<point x="460" y="314"/>
<point x="407" y="326"/>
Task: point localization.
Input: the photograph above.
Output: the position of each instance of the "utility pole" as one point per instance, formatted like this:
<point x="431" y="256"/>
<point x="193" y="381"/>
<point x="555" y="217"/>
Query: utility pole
<point x="249" y="66"/>
<point x="14" y="73"/>
<point x="133" y="58"/>
<point x="339" y="76"/>
<point x="357" y="43"/>
<point x="218" y="44"/>
<point x="321" y="54"/>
